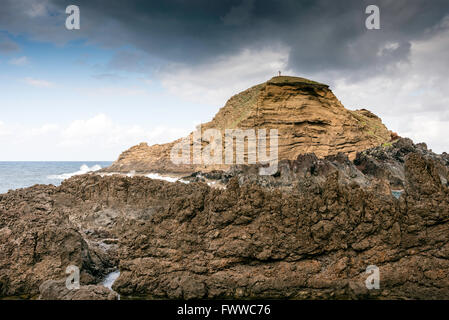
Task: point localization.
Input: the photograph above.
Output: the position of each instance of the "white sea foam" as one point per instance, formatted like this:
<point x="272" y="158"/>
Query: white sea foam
<point x="159" y="177"/>
<point x="131" y="174"/>
<point x="83" y="170"/>
<point x="154" y="176"/>
<point x="110" y="279"/>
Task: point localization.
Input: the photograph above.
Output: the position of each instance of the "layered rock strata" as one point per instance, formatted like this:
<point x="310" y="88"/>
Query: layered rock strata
<point x="306" y="114"/>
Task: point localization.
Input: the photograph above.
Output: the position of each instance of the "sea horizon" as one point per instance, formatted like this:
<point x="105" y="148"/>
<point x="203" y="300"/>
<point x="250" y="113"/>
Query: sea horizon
<point x="23" y="174"/>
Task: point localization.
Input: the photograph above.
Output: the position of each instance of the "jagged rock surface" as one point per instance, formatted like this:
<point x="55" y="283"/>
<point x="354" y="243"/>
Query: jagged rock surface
<point x="246" y="242"/>
<point x="175" y="240"/>
<point x="381" y="169"/>
<point x="38" y="242"/>
<point x="309" y="118"/>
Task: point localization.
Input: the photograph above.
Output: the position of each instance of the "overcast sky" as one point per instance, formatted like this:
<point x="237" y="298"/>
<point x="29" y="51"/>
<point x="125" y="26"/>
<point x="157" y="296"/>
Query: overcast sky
<point x="151" y="70"/>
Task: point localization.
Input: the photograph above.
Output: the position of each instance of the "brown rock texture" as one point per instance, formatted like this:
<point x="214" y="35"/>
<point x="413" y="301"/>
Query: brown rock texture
<point x="38" y="242"/>
<point x="313" y="240"/>
<point x="307" y="115"/>
<point x="380" y="169"/>
<point x="247" y="242"/>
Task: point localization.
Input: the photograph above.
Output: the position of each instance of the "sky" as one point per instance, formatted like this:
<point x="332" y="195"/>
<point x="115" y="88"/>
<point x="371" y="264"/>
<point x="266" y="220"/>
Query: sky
<point x="150" y="71"/>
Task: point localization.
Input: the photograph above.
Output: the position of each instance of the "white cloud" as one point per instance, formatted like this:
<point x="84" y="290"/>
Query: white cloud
<point x="45" y="129"/>
<point x="388" y="48"/>
<point x="218" y="80"/>
<point x="21" y="61"/>
<point x="429" y="128"/>
<point x="38" y="83"/>
<point x="20" y="132"/>
<point x="411" y="97"/>
<point x="95" y="138"/>
<point x="3" y="130"/>
<point x="103" y="129"/>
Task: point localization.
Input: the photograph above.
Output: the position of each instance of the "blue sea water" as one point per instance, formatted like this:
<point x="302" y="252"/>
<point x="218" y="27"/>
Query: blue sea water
<point x="15" y="175"/>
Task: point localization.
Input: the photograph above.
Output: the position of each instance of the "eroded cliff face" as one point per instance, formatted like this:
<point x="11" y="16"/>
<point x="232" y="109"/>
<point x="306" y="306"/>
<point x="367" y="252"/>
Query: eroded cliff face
<point x="308" y="117"/>
<point x="175" y="240"/>
<point x="38" y="242"/>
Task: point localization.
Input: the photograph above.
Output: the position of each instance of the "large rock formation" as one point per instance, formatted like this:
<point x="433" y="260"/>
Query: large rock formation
<point x="247" y="242"/>
<point x="175" y="240"/>
<point x="307" y="232"/>
<point x="307" y="115"/>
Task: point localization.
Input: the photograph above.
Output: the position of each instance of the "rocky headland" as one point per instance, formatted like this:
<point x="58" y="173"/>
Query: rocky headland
<point x="307" y="115"/>
<point x="347" y="194"/>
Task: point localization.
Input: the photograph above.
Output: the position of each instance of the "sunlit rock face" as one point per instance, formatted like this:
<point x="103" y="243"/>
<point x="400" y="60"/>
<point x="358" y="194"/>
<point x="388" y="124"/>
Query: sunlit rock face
<point x="308" y="117"/>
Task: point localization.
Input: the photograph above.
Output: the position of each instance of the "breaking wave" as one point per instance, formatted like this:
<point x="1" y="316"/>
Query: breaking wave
<point x="159" y="177"/>
<point x="83" y="170"/>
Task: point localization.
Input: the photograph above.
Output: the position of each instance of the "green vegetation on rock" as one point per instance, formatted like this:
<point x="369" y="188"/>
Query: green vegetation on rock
<point x="293" y="80"/>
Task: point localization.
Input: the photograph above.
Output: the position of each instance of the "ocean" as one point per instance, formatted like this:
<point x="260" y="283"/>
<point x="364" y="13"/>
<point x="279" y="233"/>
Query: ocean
<point x="15" y="175"/>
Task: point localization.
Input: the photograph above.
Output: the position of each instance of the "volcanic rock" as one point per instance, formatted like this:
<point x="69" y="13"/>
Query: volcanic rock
<point x="381" y="168"/>
<point x="247" y="242"/>
<point x="38" y="242"/>
<point x="191" y="241"/>
<point x="307" y="115"/>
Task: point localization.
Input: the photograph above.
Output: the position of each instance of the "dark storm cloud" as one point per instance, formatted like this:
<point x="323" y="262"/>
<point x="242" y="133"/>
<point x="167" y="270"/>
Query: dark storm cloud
<point x="322" y="35"/>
